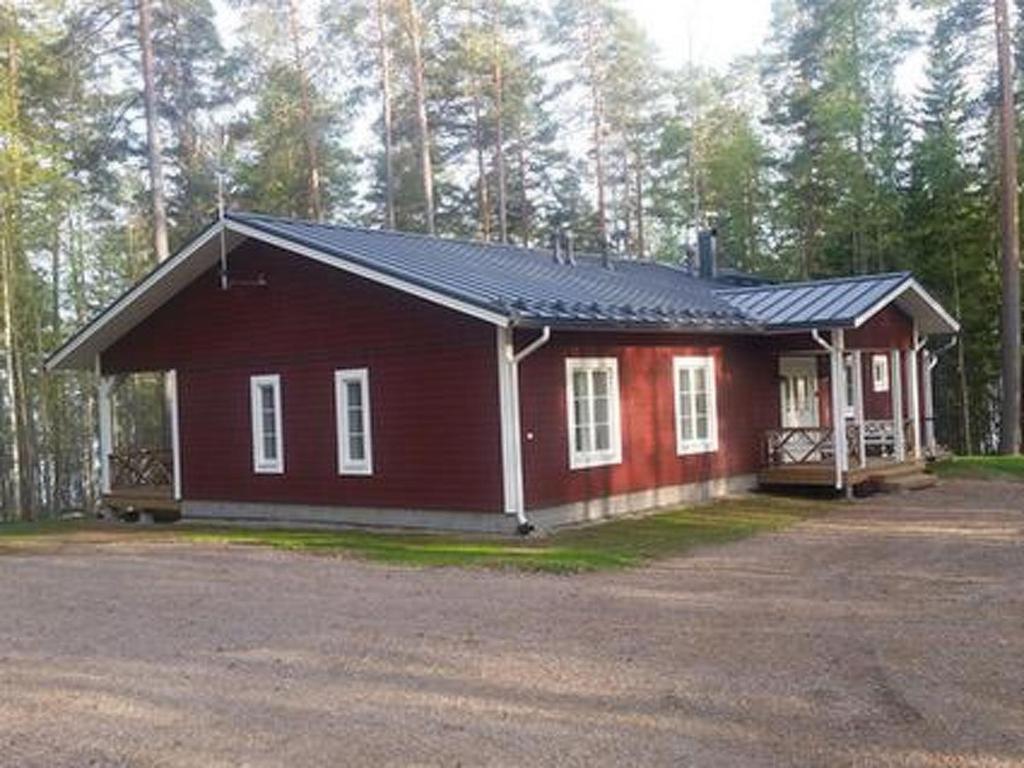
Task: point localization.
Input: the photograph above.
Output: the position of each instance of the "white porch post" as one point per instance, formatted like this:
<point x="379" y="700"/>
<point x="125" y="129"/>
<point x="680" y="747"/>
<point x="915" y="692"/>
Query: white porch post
<point x="838" y="406"/>
<point x="106" y="425"/>
<point x="858" y="403"/>
<point x="896" y="390"/>
<point x="929" y="400"/>
<point x="913" y="394"/>
<point x="171" y="393"/>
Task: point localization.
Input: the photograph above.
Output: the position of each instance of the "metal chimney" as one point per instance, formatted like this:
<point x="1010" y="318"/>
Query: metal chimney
<point x="707" y="247"/>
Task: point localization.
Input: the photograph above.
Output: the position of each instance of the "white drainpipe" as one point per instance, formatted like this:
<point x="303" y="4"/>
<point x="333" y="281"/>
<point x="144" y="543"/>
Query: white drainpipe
<point x="511" y="427"/>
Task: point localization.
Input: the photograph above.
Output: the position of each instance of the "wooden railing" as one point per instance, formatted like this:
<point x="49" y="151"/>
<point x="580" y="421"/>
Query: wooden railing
<point x="797" y="445"/>
<point x="141" y="468"/>
<point x="808" y="445"/>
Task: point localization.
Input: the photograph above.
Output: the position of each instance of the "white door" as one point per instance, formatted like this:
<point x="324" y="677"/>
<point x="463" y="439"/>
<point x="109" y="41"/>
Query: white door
<point x="798" y="392"/>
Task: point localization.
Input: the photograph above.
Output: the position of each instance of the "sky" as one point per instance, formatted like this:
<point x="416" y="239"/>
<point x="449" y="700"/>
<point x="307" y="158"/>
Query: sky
<point x="719" y="30"/>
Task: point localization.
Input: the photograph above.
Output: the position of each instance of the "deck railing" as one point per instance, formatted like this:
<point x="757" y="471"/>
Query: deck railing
<point x="798" y="445"/>
<point x="141" y="468"/>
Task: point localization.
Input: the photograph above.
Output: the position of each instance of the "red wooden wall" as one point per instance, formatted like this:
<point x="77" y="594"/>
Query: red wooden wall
<point x="747" y="404"/>
<point x="433" y="383"/>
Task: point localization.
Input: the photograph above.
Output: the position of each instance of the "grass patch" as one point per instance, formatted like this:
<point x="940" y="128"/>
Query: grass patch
<point x="982" y="467"/>
<point x="617" y="544"/>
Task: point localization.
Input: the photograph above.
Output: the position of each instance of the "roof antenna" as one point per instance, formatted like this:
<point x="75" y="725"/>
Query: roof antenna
<point x="225" y="280"/>
<point x="224" y="283"/>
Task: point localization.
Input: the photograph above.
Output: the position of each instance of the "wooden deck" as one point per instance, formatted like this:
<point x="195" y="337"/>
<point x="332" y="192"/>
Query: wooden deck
<point x="151" y="498"/>
<point x="823" y="473"/>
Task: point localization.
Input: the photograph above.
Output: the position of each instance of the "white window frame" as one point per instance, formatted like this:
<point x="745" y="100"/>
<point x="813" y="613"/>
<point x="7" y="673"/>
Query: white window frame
<point x="261" y="464"/>
<point x="850" y="385"/>
<point x="346" y="464"/>
<point x="710" y="443"/>
<point x="594" y="458"/>
<point x="880" y="373"/>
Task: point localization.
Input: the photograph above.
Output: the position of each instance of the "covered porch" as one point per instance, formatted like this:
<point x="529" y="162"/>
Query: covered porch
<point x="853" y="370"/>
<point x="140" y="466"/>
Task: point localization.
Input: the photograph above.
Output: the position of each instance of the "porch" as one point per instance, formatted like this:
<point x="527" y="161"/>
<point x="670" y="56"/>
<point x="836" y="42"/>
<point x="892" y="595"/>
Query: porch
<point x="849" y="416"/>
<point x="139" y="447"/>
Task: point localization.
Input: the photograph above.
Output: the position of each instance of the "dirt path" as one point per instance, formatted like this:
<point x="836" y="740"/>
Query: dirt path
<point x="888" y="633"/>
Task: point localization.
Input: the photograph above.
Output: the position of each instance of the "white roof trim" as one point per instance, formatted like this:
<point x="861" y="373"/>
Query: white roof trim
<point x="910" y="285"/>
<point x="339" y="262"/>
<point x="109" y="314"/>
<point x="154" y="279"/>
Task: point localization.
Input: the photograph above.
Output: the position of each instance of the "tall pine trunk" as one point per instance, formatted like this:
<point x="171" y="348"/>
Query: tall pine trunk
<point x="597" y="116"/>
<point x="315" y="203"/>
<point x="384" y="54"/>
<point x="414" y="28"/>
<point x="499" y="124"/>
<point x="1009" y="433"/>
<point x="153" y="146"/>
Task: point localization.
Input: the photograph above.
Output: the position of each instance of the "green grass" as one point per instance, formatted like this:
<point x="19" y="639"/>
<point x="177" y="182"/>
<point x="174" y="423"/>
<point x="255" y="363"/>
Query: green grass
<point x="982" y="467"/>
<point x="618" y="544"/>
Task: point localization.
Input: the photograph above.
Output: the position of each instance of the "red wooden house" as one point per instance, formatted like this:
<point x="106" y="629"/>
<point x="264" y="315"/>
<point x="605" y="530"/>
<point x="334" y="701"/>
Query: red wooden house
<point x="327" y="374"/>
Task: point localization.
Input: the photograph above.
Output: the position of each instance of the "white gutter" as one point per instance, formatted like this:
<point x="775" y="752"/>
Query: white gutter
<point x="511" y="426"/>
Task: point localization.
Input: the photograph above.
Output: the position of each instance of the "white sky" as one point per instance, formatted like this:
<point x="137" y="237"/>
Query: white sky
<point x="719" y="30"/>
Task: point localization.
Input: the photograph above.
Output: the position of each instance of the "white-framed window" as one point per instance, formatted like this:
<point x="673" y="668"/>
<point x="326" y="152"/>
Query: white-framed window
<point x="352" y="409"/>
<point x="267" y="438"/>
<point x="850" y="401"/>
<point x="592" y="398"/>
<point x="880" y="373"/>
<point x="696" y="405"/>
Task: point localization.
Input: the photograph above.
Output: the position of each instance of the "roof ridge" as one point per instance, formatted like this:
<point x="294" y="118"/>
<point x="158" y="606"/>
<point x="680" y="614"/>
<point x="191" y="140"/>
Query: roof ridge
<point x="271" y="218"/>
<point x="903" y="274"/>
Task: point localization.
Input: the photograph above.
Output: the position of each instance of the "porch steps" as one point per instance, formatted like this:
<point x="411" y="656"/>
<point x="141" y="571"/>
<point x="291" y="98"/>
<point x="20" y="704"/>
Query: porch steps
<point x="901" y="478"/>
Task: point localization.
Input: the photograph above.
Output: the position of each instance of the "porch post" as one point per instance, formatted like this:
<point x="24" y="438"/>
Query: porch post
<point x="896" y="390"/>
<point x="913" y="394"/>
<point x="838" y="406"/>
<point x="858" y="403"/>
<point x="106" y="425"/>
<point x="927" y="367"/>
<point x="171" y="393"/>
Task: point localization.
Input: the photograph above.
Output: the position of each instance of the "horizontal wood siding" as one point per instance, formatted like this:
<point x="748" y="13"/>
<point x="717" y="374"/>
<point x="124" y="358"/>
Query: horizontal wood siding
<point x="433" y="386"/>
<point x="747" y="404"/>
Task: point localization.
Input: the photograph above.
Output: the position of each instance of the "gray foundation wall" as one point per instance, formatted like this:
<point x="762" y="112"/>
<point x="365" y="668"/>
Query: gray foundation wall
<point x="470" y="522"/>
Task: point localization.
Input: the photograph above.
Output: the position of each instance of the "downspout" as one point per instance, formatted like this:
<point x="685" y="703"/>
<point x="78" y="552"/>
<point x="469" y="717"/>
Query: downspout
<point x="931" y="359"/>
<point x="515" y="486"/>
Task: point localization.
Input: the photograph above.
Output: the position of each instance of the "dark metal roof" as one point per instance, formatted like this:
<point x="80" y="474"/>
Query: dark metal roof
<point x="523" y="283"/>
<point x="835" y="303"/>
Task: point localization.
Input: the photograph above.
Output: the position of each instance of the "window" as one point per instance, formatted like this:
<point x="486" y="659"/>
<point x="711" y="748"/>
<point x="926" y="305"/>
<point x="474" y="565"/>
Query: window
<point x="850" y="369"/>
<point x="879" y="373"/>
<point x="352" y="408"/>
<point x="267" y="440"/>
<point x="592" y="393"/>
<point x="696" y="409"/>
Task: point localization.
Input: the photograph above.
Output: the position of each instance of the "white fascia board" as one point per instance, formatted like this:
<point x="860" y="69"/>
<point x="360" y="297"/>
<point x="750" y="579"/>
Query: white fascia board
<point x="111" y="313"/>
<point x="340" y="262"/>
<point x="918" y="290"/>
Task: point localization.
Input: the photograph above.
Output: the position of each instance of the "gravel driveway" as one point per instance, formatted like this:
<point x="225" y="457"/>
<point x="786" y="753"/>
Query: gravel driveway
<point x="889" y="633"/>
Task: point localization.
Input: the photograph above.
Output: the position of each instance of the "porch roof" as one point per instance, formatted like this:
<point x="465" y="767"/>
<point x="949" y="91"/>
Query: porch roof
<point x="846" y="302"/>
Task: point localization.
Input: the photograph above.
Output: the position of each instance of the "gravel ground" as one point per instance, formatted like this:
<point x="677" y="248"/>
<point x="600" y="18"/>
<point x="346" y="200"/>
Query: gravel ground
<point x="889" y="633"/>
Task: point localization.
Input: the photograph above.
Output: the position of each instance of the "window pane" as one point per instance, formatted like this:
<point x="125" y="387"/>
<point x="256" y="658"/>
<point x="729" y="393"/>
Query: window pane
<point x="269" y="447"/>
<point x="267" y="397"/>
<point x="600" y="383"/>
<point x="702" y="428"/>
<point x="357" y="447"/>
<point x="582" y="439"/>
<point x="355" y="421"/>
<point x="580" y="384"/>
<point x="601" y="410"/>
<point x="582" y="412"/>
<point x="684" y="383"/>
<point x="700" y="380"/>
<point x="603" y="437"/>
<point x="354" y="393"/>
